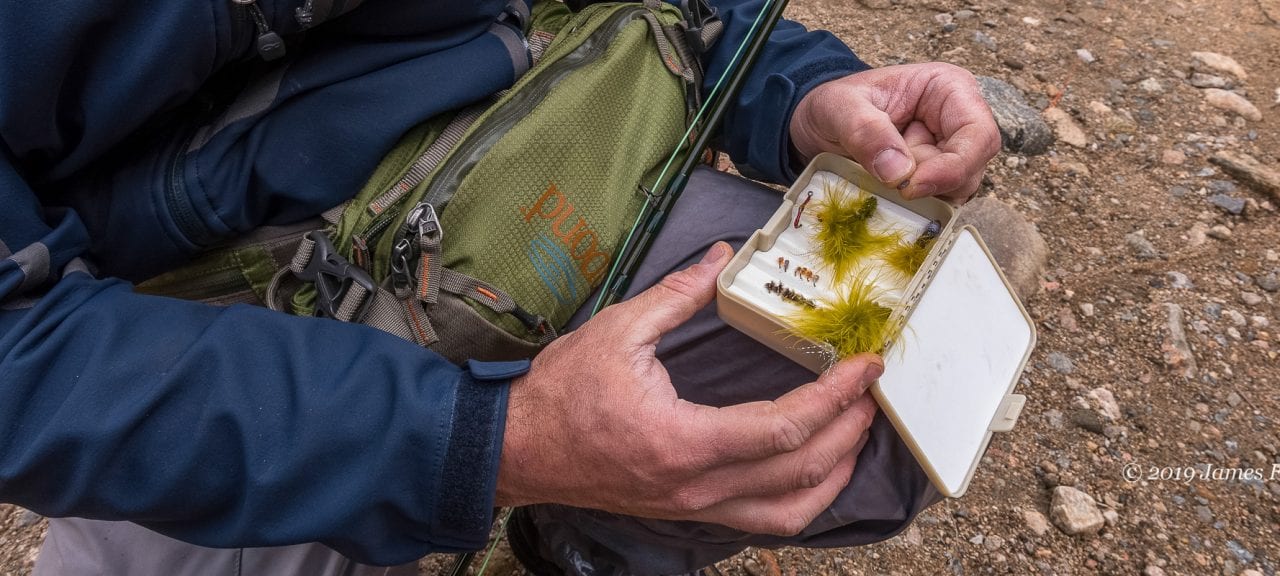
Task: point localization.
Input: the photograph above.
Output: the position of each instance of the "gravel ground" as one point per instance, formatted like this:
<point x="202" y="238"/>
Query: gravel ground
<point x="1155" y="307"/>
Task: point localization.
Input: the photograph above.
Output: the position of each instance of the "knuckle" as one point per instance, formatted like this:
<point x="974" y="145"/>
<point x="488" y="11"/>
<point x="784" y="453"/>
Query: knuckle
<point x="813" y="471"/>
<point x="691" y="500"/>
<point x="789" y="524"/>
<point x="788" y="435"/>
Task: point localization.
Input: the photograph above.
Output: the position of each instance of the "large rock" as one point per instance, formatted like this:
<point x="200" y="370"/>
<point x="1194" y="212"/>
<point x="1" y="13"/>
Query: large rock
<point x="1250" y="171"/>
<point x="1075" y="512"/>
<point x="1021" y="128"/>
<point x="1013" y="240"/>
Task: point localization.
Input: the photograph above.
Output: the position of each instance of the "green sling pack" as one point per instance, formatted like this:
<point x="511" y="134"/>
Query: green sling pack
<point x="483" y="231"/>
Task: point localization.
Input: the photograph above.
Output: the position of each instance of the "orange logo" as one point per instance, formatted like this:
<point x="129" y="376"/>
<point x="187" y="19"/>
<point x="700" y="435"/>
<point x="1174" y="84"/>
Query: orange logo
<point x="580" y="242"/>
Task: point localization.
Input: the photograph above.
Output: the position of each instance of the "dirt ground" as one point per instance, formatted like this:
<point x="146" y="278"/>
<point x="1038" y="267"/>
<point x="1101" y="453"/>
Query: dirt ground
<point x="1136" y="219"/>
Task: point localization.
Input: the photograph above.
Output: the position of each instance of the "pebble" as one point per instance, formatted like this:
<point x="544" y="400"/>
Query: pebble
<point x="1228" y="204"/>
<point x="1219" y="63"/>
<point x="1241" y="554"/>
<point x="943" y="18"/>
<point x="1200" y="80"/>
<point x="1234" y="399"/>
<point x="1111" y="517"/>
<point x="1220" y="232"/>
<point x="1066" y="127"/>
<point x="965" y="14"/>
<point x="1022" y="130"/>
<point x="1173" y="157"/>
<point x="1061" y="363"/>
<point x="1235" y="318"/>
<point x="982" y="39"/>
<point x="28" y="519"/>
<point x="1175" y="348"/>
<point x="1179" y="281"/>
<point x="1251" y="299"/>
<point x="1089" y="420"/>
<point x="1031" y="21"/>
<point x="1140" y="246"/>
<point x="994" y="543"/>
<point x="1086" y="308"/>
<point x="1151" y="85"/>
<point x="1036" y="521"/>
<point x="1153" y="570"/>
<point x="978" y="540"/>
<point x="1232" y="102"/>
<point x="1075" y="512"/>
<point x="1269" y="281"/>
<point x="1204" y="514"/>
<point x="1085" y="56"/>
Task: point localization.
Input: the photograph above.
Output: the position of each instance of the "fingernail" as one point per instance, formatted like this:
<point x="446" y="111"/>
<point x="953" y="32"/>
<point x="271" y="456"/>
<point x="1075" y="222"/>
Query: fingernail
<point x="715" y="254"/>
<point x="873" y="372"/>
<point x="923" y="191"/>
<point x="891" y="165"/>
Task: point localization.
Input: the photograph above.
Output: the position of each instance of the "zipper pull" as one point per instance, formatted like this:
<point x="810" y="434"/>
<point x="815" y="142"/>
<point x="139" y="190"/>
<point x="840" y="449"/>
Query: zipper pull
<point x="421" y="230"/>
<point x="270" y="45"/>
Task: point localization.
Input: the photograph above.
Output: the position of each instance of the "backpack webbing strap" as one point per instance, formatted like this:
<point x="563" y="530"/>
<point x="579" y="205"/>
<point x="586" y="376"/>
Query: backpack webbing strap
<point x="494" y="299"/>
<point x="674" y="59"/>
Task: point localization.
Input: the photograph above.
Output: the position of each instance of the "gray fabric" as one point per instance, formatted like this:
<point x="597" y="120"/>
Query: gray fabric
<point x="254" y="100"/>
<point x="516" y="48"/>
<point x="76" y="265"/>
<point x="76" y="546"/>
<point x="34" y="263"/>
<point x="404" y="318"/>
<point x="711" y="363"/>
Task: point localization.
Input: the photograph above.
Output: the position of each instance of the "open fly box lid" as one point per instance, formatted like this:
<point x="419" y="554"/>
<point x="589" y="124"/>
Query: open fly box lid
<point x="965" y="337"/>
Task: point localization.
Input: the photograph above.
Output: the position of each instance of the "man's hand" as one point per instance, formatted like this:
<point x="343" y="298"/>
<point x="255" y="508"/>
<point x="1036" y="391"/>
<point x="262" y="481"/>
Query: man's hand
<point x="597" y="424"/>
<point x="922" y="127"/>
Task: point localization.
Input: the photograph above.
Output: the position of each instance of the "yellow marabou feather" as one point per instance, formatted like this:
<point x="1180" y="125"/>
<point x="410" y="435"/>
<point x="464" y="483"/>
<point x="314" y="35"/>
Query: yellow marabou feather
<point x="852" y="324"/>
<point x="843" y="235"/>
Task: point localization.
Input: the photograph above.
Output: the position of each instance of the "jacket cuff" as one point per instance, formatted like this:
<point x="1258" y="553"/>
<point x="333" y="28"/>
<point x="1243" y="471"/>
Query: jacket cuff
<point x="469" y="478"/>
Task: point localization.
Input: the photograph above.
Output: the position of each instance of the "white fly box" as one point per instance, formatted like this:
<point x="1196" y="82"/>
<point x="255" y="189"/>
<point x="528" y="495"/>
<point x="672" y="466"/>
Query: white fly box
<point x="961" y="337"/>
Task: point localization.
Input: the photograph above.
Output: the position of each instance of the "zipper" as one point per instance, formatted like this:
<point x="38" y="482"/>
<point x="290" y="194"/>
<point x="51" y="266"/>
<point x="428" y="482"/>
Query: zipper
<point x="270" y="46"/>
<point x="190" y="226"/>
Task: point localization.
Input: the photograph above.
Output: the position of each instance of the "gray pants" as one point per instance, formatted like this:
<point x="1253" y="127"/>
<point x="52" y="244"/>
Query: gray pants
<point x="709" y="362"/>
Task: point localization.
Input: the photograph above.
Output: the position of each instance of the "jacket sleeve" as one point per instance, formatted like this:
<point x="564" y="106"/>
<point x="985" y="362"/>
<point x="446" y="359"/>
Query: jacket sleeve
<point x="229" y="427"/>
<point x="756" y="127"/>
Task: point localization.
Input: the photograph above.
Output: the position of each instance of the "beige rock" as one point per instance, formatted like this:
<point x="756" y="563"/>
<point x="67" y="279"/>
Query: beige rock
<point x="1250" y="171"/>
<point x="1232" y="102"/>
<point x="1036" y="521"/>
<point x="1013" y="240"/>
<point x="1219" y="63"/>
<point x="1176" y="348"/>
<point x="1075" y="512"/>
<point x="1104" y="402"/>
<point x="1173" y="157"/>
<point x="1066" y="127"/>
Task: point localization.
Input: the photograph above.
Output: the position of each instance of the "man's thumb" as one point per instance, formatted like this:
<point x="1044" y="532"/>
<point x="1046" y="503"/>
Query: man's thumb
<point x="678" y="296"/>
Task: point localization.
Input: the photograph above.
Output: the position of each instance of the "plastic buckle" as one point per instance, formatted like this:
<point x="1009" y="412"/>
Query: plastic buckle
<point x="697" y="13"/>
<point x="333" y="277"/>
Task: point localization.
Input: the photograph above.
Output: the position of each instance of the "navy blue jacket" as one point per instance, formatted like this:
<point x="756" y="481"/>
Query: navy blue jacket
<point x="135" y="134"/>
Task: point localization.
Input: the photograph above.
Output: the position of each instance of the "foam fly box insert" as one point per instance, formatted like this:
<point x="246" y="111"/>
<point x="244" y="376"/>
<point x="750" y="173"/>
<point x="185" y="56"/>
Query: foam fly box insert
<point x="961" y="337"/>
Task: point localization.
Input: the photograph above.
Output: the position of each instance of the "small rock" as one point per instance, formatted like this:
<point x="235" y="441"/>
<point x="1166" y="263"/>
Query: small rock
<point x="1173" y="157"/>
<point x="943" y="18"/>
<point x="1179" y="281"/>
<point x="1140" y="246"/>
<point x="994" y="543"/>
<point x="1151" y="85"/>
<point x="965" y="14"/>
<point x="876" y="4"/>
<point x="978" y="539"/>
<point x="1228" y="204"/>
<point x="982" y="39"/>
<point x="1111" y="517"/>
<point x="1204" y="514"/>
<point x="1060" y="362"/>
<point x="1054" y="419"/>
<point x="28" y="519"/>
<point x="1200" y="80"/>
<point x="1021" y="128"/>
<point x="1269" y="281"/>
<point x="1219" y="63"/>
<point x="1251" y="572"/>
<point x="1234" y="399"/>
<point x="1105" y="403"/>
<point x="1153" y="570"/>
<point x="1066" y="127"/>
<point x="1179" y="191"/>
<point x="1235" y="318"/>
<point x="1030" y="21"/>
<point x="1222" y="186"/>
<point x="1232" y="102"/>
<point x="1036" y="521"/>
<point x="1075" y="512"/>
<point x="1012" y="239"/>
<point x="1086" y="308"/>
<point x="1249" y="170"/>
<point x="1241" y="554"/>
<point x="752" y="567"/>
<point x="913" y="536"/>
<point x="1176" y="349"/>
<point x="1089" y="420"/>
<point x="1251" y="299"/>
<point x="1085" y="56"/>
<point x="1220" y="232"/>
